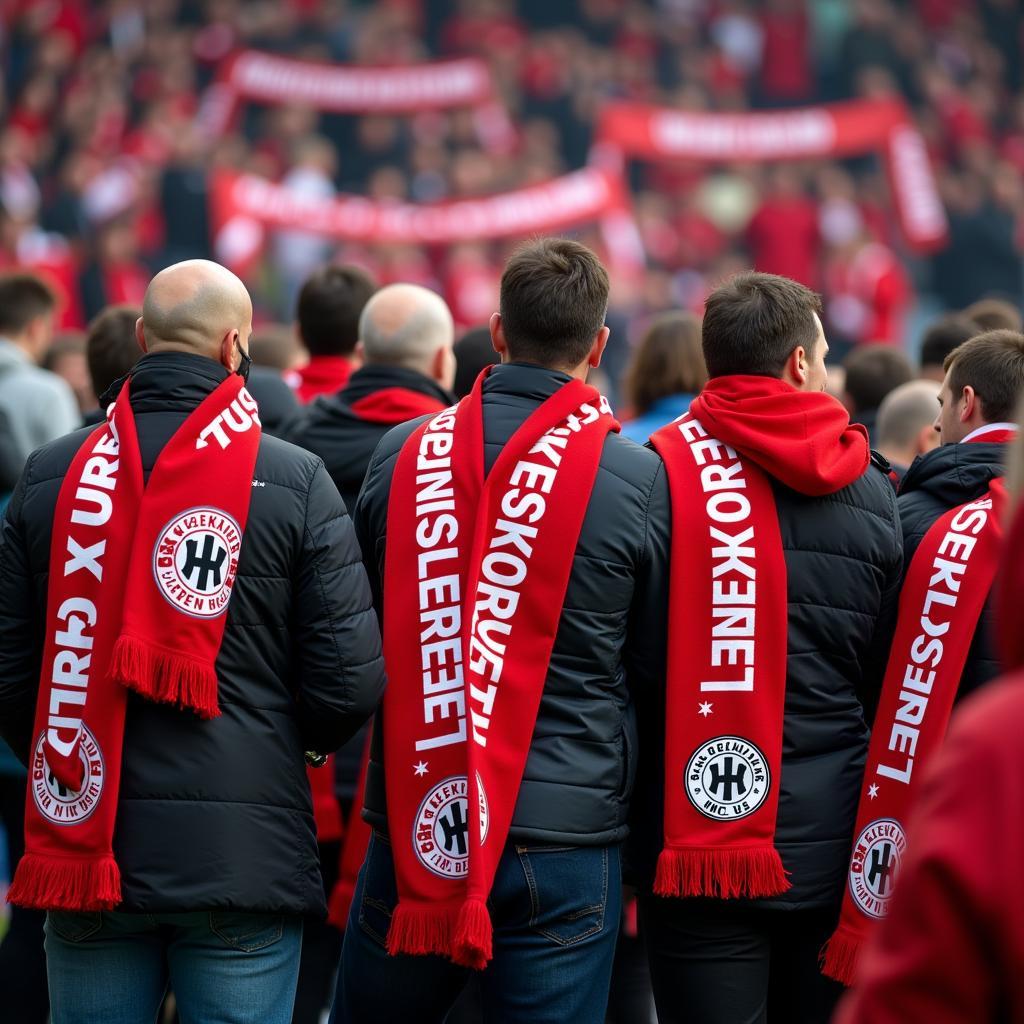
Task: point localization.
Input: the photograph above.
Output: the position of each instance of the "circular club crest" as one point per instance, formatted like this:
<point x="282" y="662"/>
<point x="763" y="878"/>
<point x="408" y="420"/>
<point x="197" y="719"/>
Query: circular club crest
<point x="54" y="800"/>
<point x="195" y="561"/>
<point x="877" y="856"/>
<point x="727" y="778"/>
<point x="441" y="830"/>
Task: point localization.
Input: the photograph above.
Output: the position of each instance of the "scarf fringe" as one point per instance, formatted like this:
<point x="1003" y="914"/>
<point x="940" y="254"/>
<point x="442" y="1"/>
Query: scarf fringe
<point x="165" y="676"/>
<point x="720" y="872"/>
<point x="45" y="882"/>
<point x="840" y="957"/>
<point x="421" y="930"/>
<point x="473" y="934"/>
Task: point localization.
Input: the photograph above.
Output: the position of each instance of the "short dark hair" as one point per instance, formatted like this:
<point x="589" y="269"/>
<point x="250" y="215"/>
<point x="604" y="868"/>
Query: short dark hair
<point x="111" y="348"/>
<point x="329" y="306"/>
<point x="872" y="371"/>
<point x="23" y="297"/>
<point x="993" y="364"/>
<point x="473" y="351"/>
<point x="754" y="321"/>
<point x="944" y="335"/>
<point x="668" y="361"/>
<point x="554" y="297"/>
<point x="994" y="314"/>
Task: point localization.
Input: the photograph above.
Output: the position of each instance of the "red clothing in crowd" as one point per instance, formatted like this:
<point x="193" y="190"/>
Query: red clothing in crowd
<point x="783" y="238"/>
<point x="322" y="375"/>
<point x="786" y="62"/>
<point x="869" y="294"/>
<point x="951" y="950"/>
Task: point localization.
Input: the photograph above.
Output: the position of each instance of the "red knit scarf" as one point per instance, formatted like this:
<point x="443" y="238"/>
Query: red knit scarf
<point x="475" y="576"/>
<point x="942" y="598"/>
<point x="139" y="582"/>
<point x="728" y="623"/>
<point x="395" y="405"/>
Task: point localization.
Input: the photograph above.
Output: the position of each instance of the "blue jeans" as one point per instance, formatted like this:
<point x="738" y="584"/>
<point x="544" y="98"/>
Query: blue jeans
<point x="556" y="918"/>
<point x="228" y="967"/>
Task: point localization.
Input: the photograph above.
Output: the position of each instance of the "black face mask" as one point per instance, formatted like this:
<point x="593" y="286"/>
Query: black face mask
<point x="245" y="363"/>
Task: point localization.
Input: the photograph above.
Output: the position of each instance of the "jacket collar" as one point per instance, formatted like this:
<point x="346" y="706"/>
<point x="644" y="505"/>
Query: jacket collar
<point x="375" y="377"/>
<point x="524" y="380"/>
<point x="955" y="473"/>
<point x="169" y="381"/>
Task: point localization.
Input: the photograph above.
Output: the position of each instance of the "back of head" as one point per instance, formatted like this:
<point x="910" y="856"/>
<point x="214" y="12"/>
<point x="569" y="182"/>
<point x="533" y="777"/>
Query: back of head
<point x="473" y="351"/>
<point x="872" y="371"/>
<point x="274" y="346"/>
<point x="328" y="310"/>
<point x="994" y="314"/>
<point x="111" y="348"/>
<point x="993" y="365"/>
<point x="668" y="361"/>
<point x="754" y="321"/>
<point x="405" y="325"/>
<point x="554" y="297"/>
<point x="942" y="336"/>
<point x="23" y="298"/>
<point x="905" y="412"/>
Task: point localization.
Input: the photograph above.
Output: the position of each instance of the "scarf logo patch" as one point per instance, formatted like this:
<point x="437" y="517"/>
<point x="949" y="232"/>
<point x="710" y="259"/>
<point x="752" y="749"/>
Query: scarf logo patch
<point x="195" y="561"/>
<point x="875" y="865"/>
<point x="727" y="778"/>
<point x="57" y="802"/>
<point x="441" y="829"/>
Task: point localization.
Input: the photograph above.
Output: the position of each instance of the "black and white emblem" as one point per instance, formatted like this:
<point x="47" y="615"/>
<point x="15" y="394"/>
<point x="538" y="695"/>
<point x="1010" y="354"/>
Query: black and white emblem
<point x="441" y="831"/>
<point x="875" y="865"/>
<point x="195" y="561"/>
<point x="55" y="801"/>
<point x="727" y="778"/>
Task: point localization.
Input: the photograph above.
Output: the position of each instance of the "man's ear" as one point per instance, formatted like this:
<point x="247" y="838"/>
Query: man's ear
<point x="927" y="439"/>
<point x="360" y="352"/>
<point x="498" y="342"/>
<point x="968" y="403"/>
<point x="227" y="350"/>
<point x="597" y="349"/>
<point x="796" y="368"/>
<point x="140" y="335"/>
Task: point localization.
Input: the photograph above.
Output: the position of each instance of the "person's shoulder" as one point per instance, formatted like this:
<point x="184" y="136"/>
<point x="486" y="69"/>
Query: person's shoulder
<point x="635" y="465"/>
<point x="284" y="464"/>
<point x="391" y="443"/>
<point x="52" y="459"/>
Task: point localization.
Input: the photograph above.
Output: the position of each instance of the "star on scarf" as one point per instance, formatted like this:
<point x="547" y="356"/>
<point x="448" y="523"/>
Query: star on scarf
<point x="420" y="769"/>
<point x="872" y="791"/>
<point x="705" y="710"/>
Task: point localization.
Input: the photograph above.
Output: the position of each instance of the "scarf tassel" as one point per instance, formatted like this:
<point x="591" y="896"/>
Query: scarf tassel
<point x="840" y="957"/>
<point x="421" y="930"/>
<point x="47" y="882"/>
<point x="473" y="933"/>
<point x="165" y="676"/>
<point x="720" y="872"/>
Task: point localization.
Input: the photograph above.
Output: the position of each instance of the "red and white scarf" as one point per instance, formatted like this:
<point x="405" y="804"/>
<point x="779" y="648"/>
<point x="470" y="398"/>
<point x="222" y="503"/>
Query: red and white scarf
<point x="943" y="595"/>
<point x="475" y="576"/>
<point x="726" y="684"/>
<point x="139" y="582"/>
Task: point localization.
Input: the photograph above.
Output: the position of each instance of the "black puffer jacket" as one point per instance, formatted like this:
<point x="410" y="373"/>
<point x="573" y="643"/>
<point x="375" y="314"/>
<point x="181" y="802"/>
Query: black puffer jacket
<point x="934" y="484"/>
<point x="217" y="814"/>
<point x="843" y="561"/>
<point x="610" y="643"/>
<point x="344" y="440"/>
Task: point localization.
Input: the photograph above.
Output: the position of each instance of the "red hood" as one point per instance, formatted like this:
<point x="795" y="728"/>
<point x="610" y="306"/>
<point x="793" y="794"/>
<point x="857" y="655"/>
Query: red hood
<point x="802" y="438"/>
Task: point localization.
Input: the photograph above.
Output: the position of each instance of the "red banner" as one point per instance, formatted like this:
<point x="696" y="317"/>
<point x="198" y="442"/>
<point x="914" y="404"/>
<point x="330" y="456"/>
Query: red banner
<point x="242" y="205"/>
<point x="834" y="130"/>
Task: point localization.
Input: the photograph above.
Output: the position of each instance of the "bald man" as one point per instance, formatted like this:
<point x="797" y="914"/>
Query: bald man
<point x="233" y="578"/>
<point x="906" y="424"/>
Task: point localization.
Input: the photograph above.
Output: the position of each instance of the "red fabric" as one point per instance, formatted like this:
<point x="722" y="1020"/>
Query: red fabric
<point x="326" y="811"/>
<point x="467" y="635"/>
<point x="950" y="951"/>
<point x="323" y="375"/>
<point x="353" y="849"/>
<point x="395" y="405"/>
<point x="109" y="621"/>
<point x="786" y="63"/>
<point x="944" y="592"/>
<point x="993" y="437"/>
<point x="1009" y="595"/>
<point x="783" y="236"/>
<point x="728" y="624"/>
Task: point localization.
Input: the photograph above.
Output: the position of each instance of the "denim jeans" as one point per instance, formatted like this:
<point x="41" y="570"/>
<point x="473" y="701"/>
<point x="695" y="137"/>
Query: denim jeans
<point x="556" y="918"/>
<point x="232" y="968"/>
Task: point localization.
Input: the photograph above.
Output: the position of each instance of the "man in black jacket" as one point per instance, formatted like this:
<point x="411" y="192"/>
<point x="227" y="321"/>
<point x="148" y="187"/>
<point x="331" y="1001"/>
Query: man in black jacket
<point x="556" y="897"/>
<point x="214" y="832"/>
<point x="978" y="401"/>
<point x="717" y="961"/>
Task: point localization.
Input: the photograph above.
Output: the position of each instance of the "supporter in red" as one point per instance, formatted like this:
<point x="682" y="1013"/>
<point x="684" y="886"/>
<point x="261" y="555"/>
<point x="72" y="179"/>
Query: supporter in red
<point x="116" y="276"/>
<point x="783" y="233"/>
<point x="328" y="310"/>
<point x="787" y="76"/>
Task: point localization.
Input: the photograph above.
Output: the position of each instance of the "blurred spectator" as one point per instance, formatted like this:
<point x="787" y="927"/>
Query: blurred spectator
<point x="66" y="358"/>
<point x="941" y="337"/>
<point x="872" y="371"/>
<point x="277" y="347"/>
<point x="783" y="233"/>
<point x="905" y="427"/>
<point x="473" y="351"/>
<point x="666" y="372"/>
<point x="993" y="314"/>
<point x="328" y="310"/>
<point x="111" y="350"/>
<point x="116" y="276"/>
<point x="38" y="404"/>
